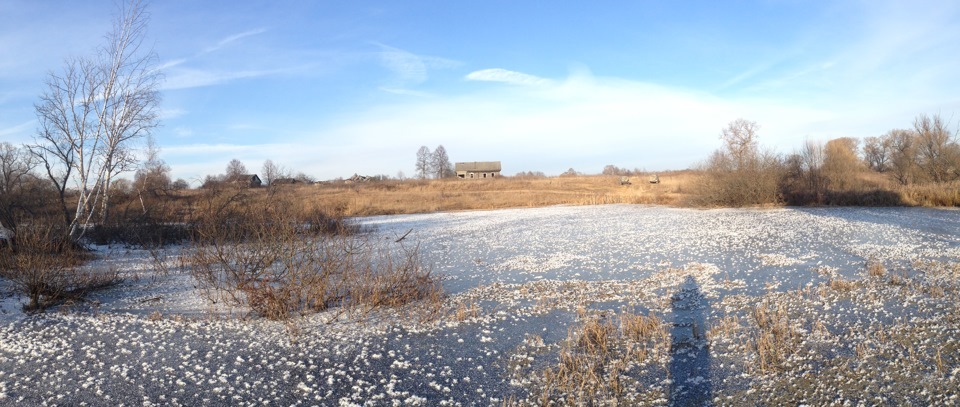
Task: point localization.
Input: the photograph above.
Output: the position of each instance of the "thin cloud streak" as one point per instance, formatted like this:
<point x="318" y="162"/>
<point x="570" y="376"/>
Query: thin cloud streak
<point x="191" y="78"/>
<point x="506" y="76"/>
<point x="233" y="38"/>
<point x="409" y="69"/>
<point x="16" y="130"/>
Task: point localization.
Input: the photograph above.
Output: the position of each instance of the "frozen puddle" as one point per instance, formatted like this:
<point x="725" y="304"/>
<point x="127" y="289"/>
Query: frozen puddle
<point x="527" y="275"/>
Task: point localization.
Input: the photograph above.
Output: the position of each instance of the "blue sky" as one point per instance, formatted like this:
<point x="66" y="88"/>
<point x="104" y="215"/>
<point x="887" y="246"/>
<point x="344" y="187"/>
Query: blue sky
<point x="333" y="88"/>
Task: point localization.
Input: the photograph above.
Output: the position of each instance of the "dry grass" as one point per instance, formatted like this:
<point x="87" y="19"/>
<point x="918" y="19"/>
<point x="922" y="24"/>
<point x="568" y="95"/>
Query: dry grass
<point x="393" y="197"/>
<point x="600" y="359"/>
<point x="776" y="339"/>
<point x="876" y="269"/>
<point x="842" y="285"/>
<point x="947" y="194"/>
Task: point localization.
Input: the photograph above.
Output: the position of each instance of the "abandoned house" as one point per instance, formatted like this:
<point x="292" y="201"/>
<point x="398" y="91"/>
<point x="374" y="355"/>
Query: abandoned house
<point x="251" y="180"/>
<point x="478" y="169"/>
<point x="285" y="181"/>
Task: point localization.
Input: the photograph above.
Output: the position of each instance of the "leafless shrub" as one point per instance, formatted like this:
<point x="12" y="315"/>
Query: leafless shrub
<point x="741" y="174"/>
<point x="876" y="269"/>
<point x="265" y="255"/>
<point x="47" y="267"/>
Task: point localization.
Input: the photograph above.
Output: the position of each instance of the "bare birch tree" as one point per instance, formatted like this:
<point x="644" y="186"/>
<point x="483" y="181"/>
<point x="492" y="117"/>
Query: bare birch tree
<point x="93" y="110"/>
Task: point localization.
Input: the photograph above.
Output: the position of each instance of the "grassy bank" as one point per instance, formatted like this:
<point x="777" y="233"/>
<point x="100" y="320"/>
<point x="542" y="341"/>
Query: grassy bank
<point x="406" y="197"/>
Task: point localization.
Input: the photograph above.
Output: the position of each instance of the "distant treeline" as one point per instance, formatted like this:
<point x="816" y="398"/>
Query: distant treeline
<point x="915" y="166"/>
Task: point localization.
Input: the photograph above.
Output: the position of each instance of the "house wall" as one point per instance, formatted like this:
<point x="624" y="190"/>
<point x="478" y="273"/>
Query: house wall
<point x="477" y="175"/>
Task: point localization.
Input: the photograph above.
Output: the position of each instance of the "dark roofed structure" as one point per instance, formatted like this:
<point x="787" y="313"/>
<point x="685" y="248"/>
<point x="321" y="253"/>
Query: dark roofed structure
<point x="478" y="169"/>
<point x="250" y="180"/>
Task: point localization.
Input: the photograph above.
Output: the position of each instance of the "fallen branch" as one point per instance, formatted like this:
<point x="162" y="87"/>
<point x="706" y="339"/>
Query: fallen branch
<point x="403" y="237"/>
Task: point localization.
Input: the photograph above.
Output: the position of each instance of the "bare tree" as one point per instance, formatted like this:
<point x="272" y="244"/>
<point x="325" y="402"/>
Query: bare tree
<point x="15" y="167"/>
<point x="740" y="173"/>
<point x="937" y="152"/>
<point x="740" y="140"/>
<point x="235" y="170"/>
<point x="903" y="155"/>
<point x="153" y="177"/>
<point x="272" y="172"/>
<point x="441" y="163"/>
<point x="424" y="166"/>
<point x="876" y="152"/>
<point x="812" y="158"/>
<point x="91" y="112"/>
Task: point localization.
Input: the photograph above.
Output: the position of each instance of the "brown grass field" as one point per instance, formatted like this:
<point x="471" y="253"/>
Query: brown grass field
<point x="406" y="197"/>
<point x="676" y="188"/>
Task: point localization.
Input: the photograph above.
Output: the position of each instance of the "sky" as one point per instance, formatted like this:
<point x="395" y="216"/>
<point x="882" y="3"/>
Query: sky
<point x="334" y="88"/>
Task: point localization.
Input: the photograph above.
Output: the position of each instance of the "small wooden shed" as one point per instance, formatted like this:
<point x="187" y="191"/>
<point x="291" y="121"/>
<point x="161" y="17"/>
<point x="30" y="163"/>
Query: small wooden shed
<point x="478" y="169"/>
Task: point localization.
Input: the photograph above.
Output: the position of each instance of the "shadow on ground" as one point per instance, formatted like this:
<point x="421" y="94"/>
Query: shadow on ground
<point x="689" y="350"/>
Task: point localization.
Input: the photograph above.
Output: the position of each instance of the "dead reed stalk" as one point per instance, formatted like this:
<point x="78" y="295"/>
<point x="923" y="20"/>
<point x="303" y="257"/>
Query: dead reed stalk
<point x="775" y="340"/>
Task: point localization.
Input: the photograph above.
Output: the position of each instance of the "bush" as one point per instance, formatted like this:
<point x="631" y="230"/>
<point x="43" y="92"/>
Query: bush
<point x="740" y="174"/>
<point x="46" y="267"/>
<point x="265" y="255"/>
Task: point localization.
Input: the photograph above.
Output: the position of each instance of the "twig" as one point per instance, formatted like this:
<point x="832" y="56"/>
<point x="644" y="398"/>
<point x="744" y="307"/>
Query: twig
<point x="403" y="237"/>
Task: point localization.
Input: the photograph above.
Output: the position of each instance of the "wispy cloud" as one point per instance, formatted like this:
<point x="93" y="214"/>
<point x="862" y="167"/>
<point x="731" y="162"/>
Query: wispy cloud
<point x="181" y="76"/>
<point x="166" y="114"/>
<point x="406" y="92"/>
<point x="506" y="76"/>
<point x="233" y="38"/>
<point x="183" y="132"/>
<point x="170" y="64"/>
<point x="205" y="149"/>
<point x="19" y="131"/>
<point x="409" y="69"/>
<point x="195" y="78"/>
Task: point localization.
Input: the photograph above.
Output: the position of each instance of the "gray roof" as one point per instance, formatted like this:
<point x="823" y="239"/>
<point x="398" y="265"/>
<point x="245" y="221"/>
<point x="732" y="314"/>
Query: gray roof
<point x="479" y="166"/>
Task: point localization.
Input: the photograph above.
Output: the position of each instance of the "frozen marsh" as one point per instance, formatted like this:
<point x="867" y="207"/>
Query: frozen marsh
<point x="641" y="305"/>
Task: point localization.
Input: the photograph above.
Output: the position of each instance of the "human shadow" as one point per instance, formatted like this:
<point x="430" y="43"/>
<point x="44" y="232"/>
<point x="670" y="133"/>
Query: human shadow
<point x="689" y="351"/>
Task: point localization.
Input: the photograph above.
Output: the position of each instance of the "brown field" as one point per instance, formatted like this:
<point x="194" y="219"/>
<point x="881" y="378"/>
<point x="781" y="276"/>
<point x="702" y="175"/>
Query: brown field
<point x="676" y="188"/>
<point x="405" y="197"/>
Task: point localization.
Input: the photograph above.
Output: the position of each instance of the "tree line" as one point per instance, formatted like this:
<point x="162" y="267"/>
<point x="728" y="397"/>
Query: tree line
<point x="842" y="171"/>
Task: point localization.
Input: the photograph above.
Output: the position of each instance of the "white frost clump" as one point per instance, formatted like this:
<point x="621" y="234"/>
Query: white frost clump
<point x="778" y="260"/>
<point x="539" y="264"/>
<point x="415" y="401"/>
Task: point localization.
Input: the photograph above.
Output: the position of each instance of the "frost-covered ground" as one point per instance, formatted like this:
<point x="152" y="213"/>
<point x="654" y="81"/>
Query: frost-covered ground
<point x="519" y="279"/>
